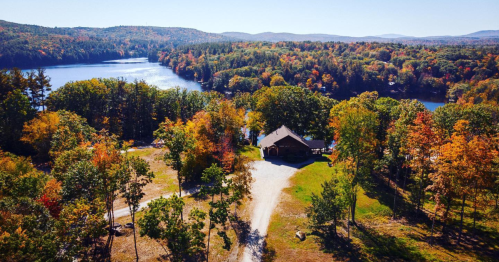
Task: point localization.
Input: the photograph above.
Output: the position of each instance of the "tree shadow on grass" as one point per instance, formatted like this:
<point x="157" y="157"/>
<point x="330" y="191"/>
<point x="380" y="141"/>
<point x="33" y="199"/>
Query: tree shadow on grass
<point x="385" y="247"/>
<point x="269" y="253"/>
<point x="380" y="191"/>
<point x="483" y="243"/>
<point x="340" y="246"/>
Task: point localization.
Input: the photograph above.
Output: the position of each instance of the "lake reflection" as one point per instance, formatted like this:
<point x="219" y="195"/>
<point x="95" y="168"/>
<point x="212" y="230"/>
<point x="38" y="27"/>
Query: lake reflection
<point x="130" y="69"/>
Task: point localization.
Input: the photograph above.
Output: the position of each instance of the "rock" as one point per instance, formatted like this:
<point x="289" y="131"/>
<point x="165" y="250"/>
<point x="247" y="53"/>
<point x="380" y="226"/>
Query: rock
<point x="117" y="232"/>
<point x="301" y="235"/>
<point x="129" y="225"/>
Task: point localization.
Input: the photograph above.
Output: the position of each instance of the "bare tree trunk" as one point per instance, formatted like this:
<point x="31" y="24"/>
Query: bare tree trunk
<point x="180" y="192"/>
<point x="449" y="201"/>
<point x="461" y="225"/>
<point x="474" y="207"/>
<point x="348" y="224"/>
<point x="353" y="208"/>
<point x="135" y="237"/>
<point x="335" y="223"/>
<point x="354" y="194"/>
<point x="405" y="177"/>
<point x="209" y="234"/>
<point x="433" y="226"/>
<point x="395" y="192"/>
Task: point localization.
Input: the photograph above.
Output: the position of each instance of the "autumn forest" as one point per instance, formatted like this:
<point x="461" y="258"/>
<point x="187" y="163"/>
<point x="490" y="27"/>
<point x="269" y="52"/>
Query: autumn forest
<point x="106" y="169"/>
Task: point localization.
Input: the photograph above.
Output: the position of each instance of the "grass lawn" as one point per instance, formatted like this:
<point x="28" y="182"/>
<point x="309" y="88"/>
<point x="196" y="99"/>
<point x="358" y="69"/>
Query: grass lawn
<point x="252" y="152"/>
<point x="376" y="237"/>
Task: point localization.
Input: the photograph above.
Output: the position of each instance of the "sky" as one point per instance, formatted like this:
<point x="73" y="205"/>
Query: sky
<point x="346" y="17"/>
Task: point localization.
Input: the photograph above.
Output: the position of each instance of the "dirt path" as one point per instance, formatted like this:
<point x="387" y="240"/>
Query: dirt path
<point x="126" y="211"/>
<point x="271" y="177"/>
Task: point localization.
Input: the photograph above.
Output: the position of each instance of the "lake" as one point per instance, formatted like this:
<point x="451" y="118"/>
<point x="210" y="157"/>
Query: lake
<point x="131" y="69"/>
<point x="135" y="69"/>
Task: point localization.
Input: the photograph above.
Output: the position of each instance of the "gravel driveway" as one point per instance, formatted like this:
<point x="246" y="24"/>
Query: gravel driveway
<point x="270" y="178"/>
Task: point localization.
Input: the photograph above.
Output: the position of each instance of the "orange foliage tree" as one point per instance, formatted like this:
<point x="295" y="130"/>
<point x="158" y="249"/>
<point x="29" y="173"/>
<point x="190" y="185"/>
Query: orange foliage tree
<point x="465" y="168"/>
<point x="421" y="142"/>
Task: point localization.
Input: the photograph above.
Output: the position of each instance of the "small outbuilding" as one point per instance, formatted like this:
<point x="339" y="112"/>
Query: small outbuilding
<point x="283" y="142"/>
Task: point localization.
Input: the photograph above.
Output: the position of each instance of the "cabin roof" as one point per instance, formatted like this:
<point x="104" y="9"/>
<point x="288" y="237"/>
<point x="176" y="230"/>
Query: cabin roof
<point x="284" y="132"/>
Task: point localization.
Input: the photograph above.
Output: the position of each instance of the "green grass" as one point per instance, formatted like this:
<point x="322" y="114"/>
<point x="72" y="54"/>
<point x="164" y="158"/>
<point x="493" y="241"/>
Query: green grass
<point x="310" y="179"/>
<point x="252" y="152"/>
<point x="142" y="152"/>
<point x="162" y="177"/>
<point x="370" y="207"/>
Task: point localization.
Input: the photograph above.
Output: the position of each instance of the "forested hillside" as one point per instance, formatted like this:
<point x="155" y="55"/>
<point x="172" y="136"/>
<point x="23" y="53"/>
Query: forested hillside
<point x="336" y="68"/>
<point x="30" y="45"/>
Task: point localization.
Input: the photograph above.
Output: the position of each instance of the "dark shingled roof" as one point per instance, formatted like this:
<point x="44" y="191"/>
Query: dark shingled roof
<point x="316" y="143"/>
<point x="283" y="132"/>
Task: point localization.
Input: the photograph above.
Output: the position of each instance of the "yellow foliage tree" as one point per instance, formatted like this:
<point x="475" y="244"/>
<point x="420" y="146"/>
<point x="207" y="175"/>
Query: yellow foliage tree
<point x="38" y="132"/>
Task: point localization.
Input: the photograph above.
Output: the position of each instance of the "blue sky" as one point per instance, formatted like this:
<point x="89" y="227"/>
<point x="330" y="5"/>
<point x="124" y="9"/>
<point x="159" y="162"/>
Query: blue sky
<point x="347" y="17"/>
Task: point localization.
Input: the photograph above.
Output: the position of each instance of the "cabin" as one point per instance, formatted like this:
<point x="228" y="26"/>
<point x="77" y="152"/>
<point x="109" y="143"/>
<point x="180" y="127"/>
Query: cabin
<point x="284" y="142"/>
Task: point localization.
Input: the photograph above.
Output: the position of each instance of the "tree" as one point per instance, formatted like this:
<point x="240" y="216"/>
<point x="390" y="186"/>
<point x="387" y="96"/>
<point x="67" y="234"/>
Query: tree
<point x="80" y="222"/>
<point x="178" y="142"/>
<point x="220" y="186"/>
<point x="51" y="197"/>
<point x="15" y="110"/>
<point x="39" y="131"/>
<point x="82" y="181"/>
<point x="107" y="160"/>
<point x="135" y="176"/>
<point x="255" y="126"/>
<point x="277" y="80"/>
<point x="42" y="84"/>
<point x="72" y="131"/>
<point x="200" y="156"/>
<point x="162" y="221"/>
<point x="242" y="179"/>
<point x="465" y="167"/>
<point x="328" y="208"/>
<point x="355" y="136"/>
<point x="421" y="144"/>
<point x="295" y="107"/>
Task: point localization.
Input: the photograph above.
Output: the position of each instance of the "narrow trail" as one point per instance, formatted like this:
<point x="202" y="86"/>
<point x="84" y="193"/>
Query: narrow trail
<point x="271" y="177"/>
<point x="126" y="211"/>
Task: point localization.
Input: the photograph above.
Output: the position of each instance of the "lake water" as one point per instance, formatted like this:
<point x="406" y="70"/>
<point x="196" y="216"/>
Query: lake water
<point x="131" y="69"/>
<point x="135" y="69"/>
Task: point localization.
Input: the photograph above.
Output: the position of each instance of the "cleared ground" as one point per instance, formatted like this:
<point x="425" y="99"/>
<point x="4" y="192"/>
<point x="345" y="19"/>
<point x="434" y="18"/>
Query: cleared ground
<point x="165" y="181"/>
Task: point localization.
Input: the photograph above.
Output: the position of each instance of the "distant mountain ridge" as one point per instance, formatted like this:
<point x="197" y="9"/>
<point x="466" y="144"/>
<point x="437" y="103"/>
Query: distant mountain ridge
<point x="484" y="33"/>
<point x="481" y="37"/>
<point x="31" y="45"/>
